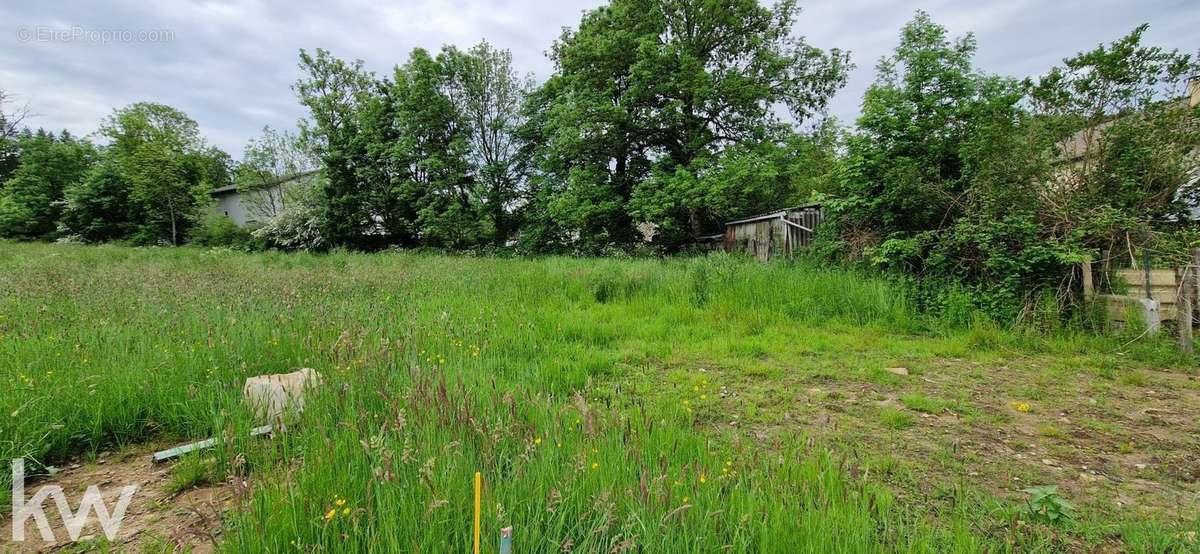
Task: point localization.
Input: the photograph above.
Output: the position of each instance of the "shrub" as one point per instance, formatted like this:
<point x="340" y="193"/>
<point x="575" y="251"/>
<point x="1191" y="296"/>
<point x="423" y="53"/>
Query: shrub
<point x="299" y="227"/>
<point x="218" y="230"/>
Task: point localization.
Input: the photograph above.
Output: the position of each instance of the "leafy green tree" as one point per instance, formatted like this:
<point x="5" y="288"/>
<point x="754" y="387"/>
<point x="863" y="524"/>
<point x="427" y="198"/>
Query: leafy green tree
<point x="427" y="158"/>
<point x="31" y="199"/>
<point x="99" y="208"/>
<point x="587" y="148"/>
<point x="906" y="162"/>
<point x="715" y="79"/>
<point x="753" y="177"/>
<point x="1125" y="142"/>
<point x="433" y="152"/>
<point x="930" y="185"/>
<point x="10" y="125"/>
<point x="487" y="93"/>
<point x="990" y="190"/>
<point x="648" y="96"/>
<point x="159" y="153"/>
<point x="267" y="161"/>
<point x="337" y="95"/>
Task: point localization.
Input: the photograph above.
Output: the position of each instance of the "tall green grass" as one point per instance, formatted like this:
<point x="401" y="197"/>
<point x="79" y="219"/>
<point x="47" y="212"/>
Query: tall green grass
<point x="437" y="367"/>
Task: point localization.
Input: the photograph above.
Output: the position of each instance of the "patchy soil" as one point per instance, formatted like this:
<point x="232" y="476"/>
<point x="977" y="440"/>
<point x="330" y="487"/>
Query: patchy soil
<point x="1123" y="446"/>
<point x="155" y="521"/>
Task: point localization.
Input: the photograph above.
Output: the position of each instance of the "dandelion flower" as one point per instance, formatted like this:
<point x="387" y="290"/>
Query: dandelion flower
<point x="537" y="440"/>
<point x="595" y="465"/>
<point x="329" y="515"/>
<point x="703" y="478"/>
<point x="345" y="511"/>
<point x="685" y="499"/>
<point x="340" y="502"/>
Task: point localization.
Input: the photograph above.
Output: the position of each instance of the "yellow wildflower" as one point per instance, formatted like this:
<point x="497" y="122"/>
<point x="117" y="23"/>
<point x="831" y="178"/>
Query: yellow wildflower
<point x="329" y="515"/>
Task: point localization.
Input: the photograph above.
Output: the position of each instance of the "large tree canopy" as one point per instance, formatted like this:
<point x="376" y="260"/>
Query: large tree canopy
<point x="648" y="96"/>
<point x="338" y="97"/>
<point x="31" y="198"/>
<point x="994" y="188"/>
<point x="159" y="153"/>
<point x="427" y="157"/>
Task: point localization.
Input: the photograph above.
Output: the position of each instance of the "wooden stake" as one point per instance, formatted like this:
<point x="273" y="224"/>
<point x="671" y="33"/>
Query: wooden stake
<point x="478" y="491"/>
<point x="1183" y="317"/>
<point x="1088" y="288"/>
<point x="1187" y="303"/>
<point x="1196" y="282"/>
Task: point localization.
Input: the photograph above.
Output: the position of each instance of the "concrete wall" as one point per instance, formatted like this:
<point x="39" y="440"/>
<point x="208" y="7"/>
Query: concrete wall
<point x="236" y="206"/>
<point x="230" y="204"/>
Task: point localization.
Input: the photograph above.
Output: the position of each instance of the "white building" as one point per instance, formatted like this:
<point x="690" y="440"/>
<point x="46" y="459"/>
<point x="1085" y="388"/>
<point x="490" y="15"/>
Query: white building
<point x="250" y="207"/>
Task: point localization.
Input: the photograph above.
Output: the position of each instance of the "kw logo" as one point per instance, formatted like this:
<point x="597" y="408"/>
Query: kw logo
<point x="23" y="510"/>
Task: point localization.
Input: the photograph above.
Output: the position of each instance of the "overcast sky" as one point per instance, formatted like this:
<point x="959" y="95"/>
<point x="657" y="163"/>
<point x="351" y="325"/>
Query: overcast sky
<point x="230" y="64"/>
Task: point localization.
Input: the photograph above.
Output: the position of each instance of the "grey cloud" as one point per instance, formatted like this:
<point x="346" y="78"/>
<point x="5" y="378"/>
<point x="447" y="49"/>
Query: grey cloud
<point x="231" y="64"/>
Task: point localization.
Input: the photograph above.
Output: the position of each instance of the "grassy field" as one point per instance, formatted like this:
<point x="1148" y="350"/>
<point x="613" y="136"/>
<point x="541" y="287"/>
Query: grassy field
<point x="687" y="405"/>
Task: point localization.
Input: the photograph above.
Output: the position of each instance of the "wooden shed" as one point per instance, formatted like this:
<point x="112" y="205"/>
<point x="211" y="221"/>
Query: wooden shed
<point x="778" y="233"/>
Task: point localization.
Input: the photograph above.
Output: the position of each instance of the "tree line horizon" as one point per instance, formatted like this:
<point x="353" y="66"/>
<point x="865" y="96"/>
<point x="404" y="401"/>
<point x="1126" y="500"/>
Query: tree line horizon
<point x="661" y="120"/>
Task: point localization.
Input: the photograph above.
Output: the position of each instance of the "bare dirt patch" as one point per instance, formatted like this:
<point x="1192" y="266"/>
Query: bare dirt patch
<point x="1119" y="447"/>
<point x="156" y="519"/>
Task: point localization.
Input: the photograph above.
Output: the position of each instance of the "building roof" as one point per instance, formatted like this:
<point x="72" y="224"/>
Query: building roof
<point x="1080" y="143"/>
<point x="234" y="188"/>
<point x="771" y="215"/>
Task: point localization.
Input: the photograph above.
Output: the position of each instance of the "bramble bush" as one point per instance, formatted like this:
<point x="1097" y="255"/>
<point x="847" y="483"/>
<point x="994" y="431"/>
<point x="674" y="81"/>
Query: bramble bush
<point x="978" y="187"/>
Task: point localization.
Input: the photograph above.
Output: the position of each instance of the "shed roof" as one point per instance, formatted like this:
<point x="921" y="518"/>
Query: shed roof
<point x="771" y="215"/>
